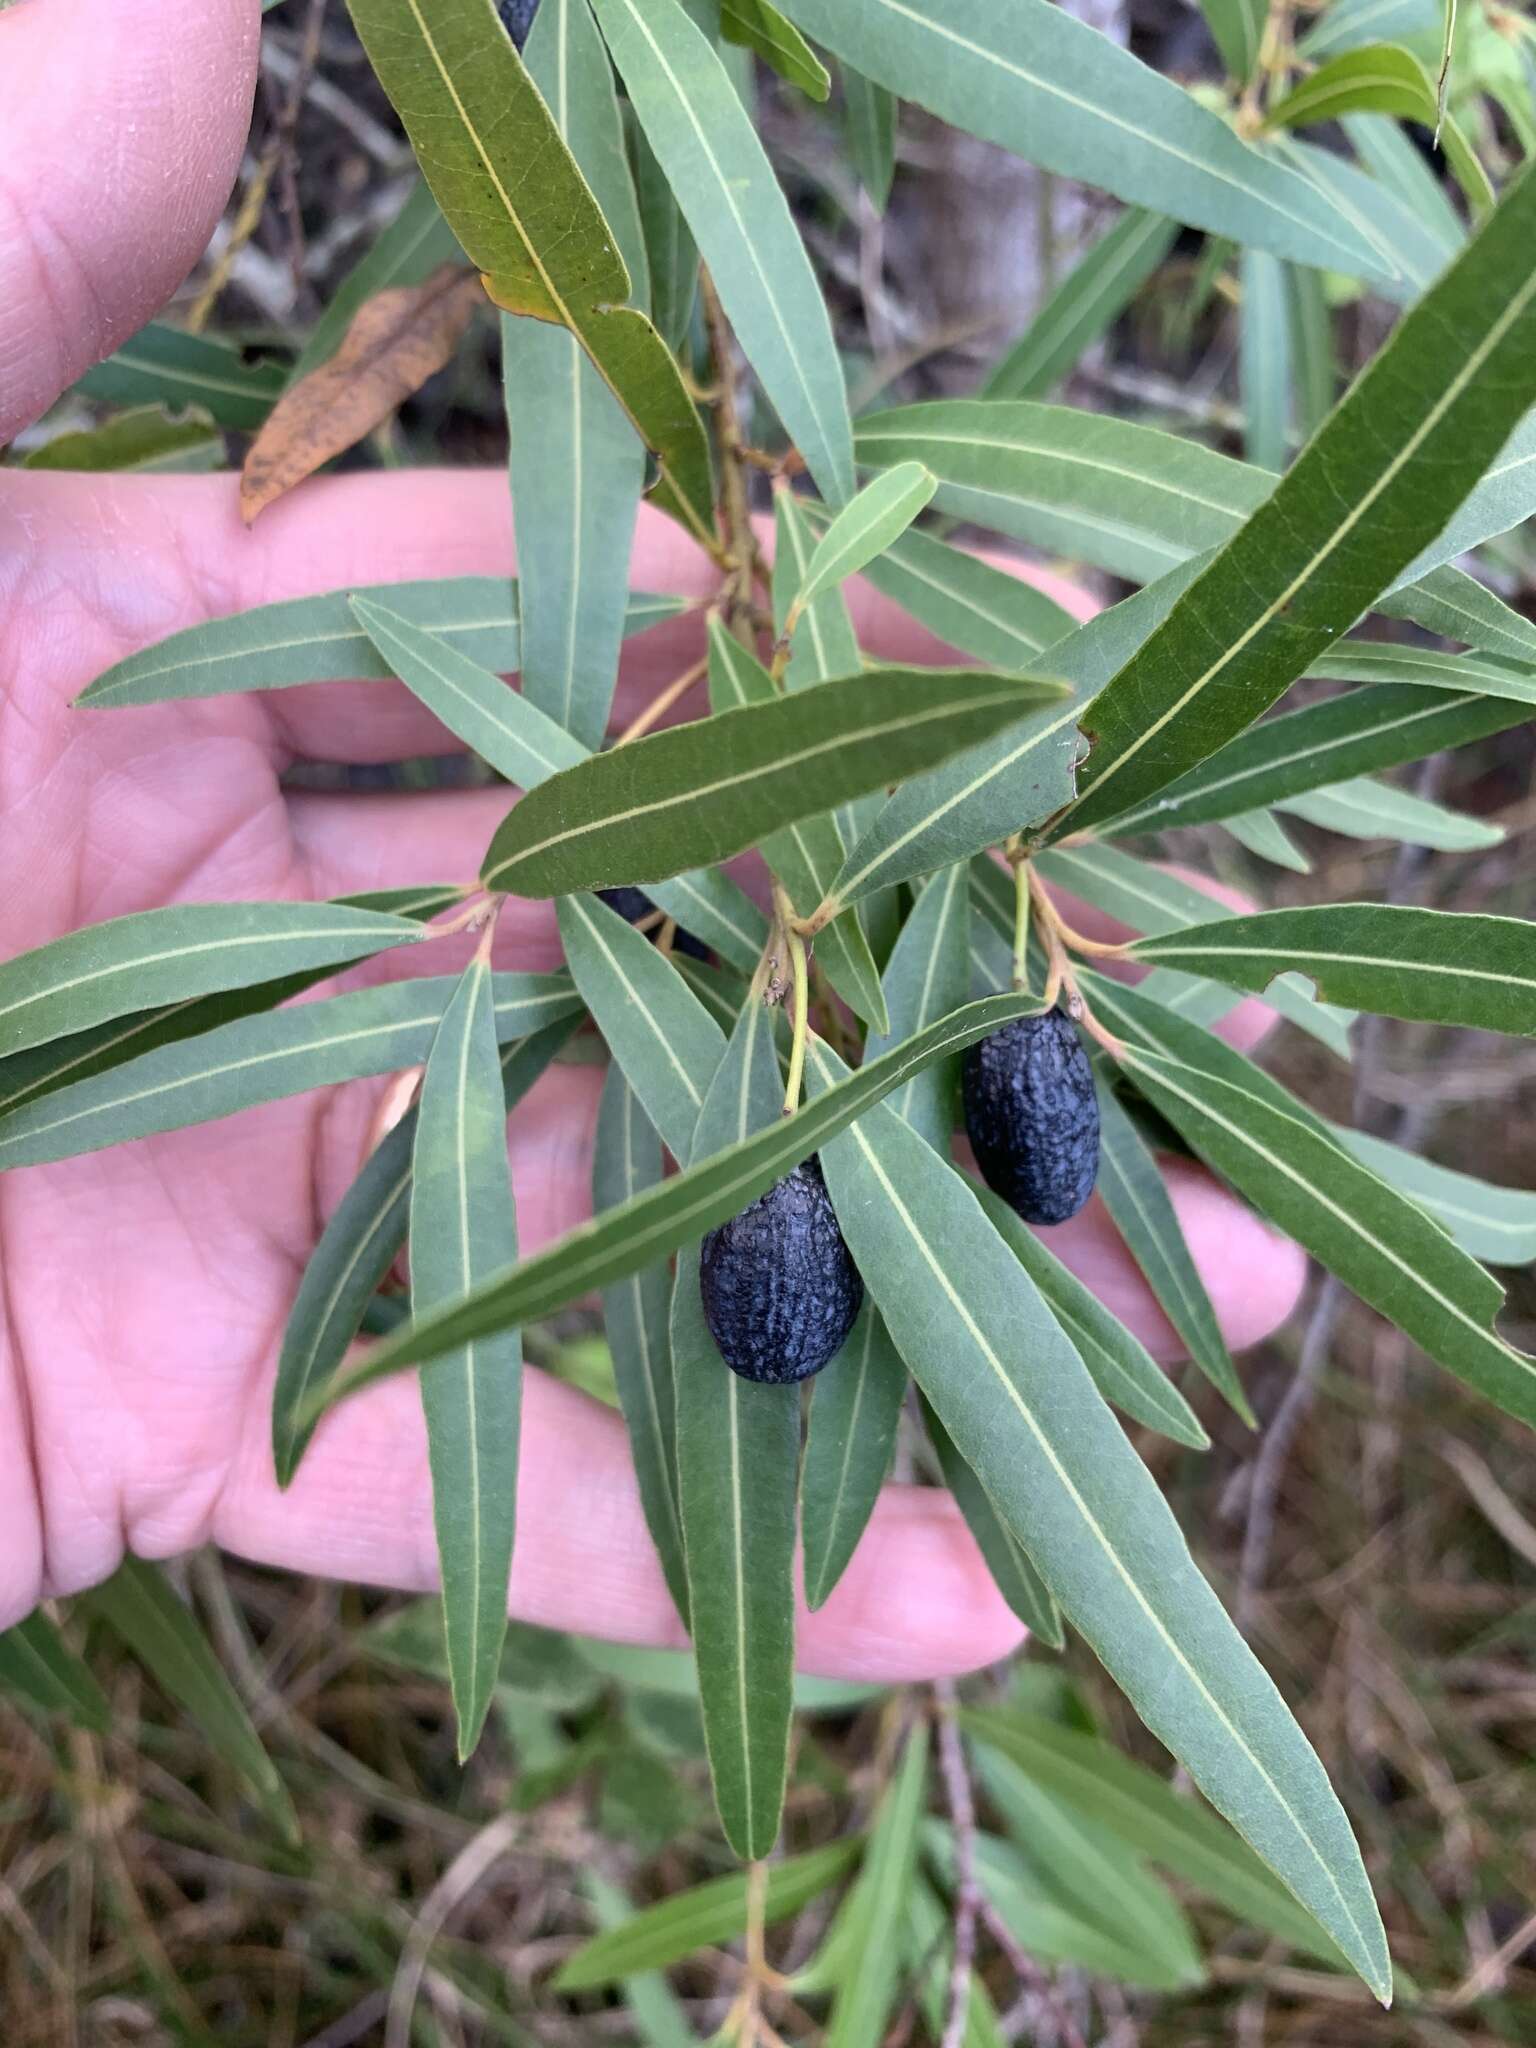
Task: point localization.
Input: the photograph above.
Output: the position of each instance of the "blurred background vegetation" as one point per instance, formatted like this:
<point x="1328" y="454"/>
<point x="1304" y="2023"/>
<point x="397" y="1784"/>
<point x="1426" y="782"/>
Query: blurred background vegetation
<point x="1377" y="1540"/>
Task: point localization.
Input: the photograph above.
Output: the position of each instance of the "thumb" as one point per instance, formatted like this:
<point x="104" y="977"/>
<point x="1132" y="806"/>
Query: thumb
<point x="123" y="130"/>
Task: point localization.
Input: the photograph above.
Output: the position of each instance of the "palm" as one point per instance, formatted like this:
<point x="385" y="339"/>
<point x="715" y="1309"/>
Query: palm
<point x="143" y="1291"/>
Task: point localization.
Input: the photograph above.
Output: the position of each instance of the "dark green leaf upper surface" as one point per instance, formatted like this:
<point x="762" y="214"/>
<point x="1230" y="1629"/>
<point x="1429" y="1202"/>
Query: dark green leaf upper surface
<point x="104" y="971"/>
<point x="699" y="793"/>
<point x="1366" y="496"/>
<point x="262" y="1058"/>
<point x="1439" y="966"/>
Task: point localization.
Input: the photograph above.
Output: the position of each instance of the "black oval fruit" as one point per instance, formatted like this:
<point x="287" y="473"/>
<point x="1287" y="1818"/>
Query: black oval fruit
<point x="632" y="904"/>
<point x="1032" y="1116"/>
<point x="517" y="18"/>
<point x="780" y="1289"/>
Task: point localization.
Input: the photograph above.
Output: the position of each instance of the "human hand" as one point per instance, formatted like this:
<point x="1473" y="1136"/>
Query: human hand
<point x="145" y="1289"/>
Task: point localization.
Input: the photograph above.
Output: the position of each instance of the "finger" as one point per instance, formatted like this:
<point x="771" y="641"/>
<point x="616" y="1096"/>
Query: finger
<point x="916" y="1601"/>
<point x="123" y="130"/>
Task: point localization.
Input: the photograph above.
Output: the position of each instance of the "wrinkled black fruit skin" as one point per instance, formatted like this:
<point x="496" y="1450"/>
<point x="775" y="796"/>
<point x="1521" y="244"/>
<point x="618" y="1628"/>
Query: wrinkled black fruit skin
<point x="1032" y="1116"/>
<point x="517" y="18"/>
<point x="780" y="1290"/>
<point x="633" y="904"/>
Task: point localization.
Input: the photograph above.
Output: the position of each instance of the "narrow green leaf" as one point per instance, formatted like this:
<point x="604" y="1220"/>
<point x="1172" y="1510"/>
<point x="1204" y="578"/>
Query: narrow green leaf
<point x="515" y="197"/>
<point x="505" y="728"/>
<point x="869" y="132"/>
<point x="931" y="1931"/>
<point x="26" y="1075"/>
<point x="1238" y="27"/>
<point x="680" y="1211"/>
<point x="826" y="646"/>
<point x="964" y="600"/>
<point x="1362" y="500"/>
<point x="1086" y="304"/>
<point x="1366" y="809"/>
<point x="928" y="976"/>
<point x="1122" y="1369"/>
<point x="1005" y="1556"/>
<point x="1489" y="1222"/>
<point x="1142" y="1211"/>
<point x="1023" y="1412"/>
<point x="1330" y="741"/>
<point x="1410" y="249"/>
<point x="1262" y="834"/>
<point x="706" y="144"/>
<point x="660" y="2020"/>
<point x="1045" y="1922"/>
<point x="356" y="1250"/>
<point x="143" y="442"/>
<point x="577" y="467"/>
<point x="1029" y="77"/>
<point x="738" y="1459"/>
<point x="636" y="1316"/>
<point x="855" y="1407"/>
<point x="1256" y="1135"/>
<point x="877" y="1953"/>
<point x="758" y="26"/>
<point x="1133" y="499"/>
<point x="1091" y="1868"/>
<point x="865" y="528"/>
<point x="672" y="256"/>
<point x="138" y="1604"/>
<point x="162" y="365"/>
<point x="36" y="1664"/>
<point x="1171" y="1829"/>
<point x="1264" y="366"/>
<point x="1383" y="78"/>
<point x="463" y="1226"/>
<point x="698" y="793"/>
<point x="106" y="971"/>
<point x="319" y="640"/>
<point x="657" y="1030"/>
<point x="1450" y="602"/>
<point x="1437" y="966"/>
<point x="261" y="1059"/>
<point x="1378" y="661"/>
<point x="707" y="1916"/>
<point x="1314" y="366"/>
<point x="1391" y="156"/>
<point x="416" y="242"/>
<point x="1347" y="24"/>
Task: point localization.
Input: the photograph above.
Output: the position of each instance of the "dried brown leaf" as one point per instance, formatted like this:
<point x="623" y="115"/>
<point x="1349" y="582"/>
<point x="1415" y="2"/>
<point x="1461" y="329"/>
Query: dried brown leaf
<point x="397" y="340"/>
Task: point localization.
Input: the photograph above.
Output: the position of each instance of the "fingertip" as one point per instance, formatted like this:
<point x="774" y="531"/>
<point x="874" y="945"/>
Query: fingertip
<point x="1253" y="1274"/>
